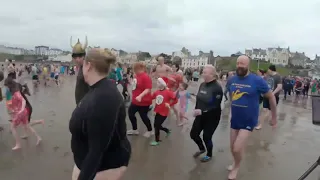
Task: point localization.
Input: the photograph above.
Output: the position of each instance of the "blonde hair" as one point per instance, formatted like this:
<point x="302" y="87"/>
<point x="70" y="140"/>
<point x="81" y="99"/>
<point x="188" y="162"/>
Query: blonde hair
<point x="101" y="59"/>
<point x="139" y="66"/>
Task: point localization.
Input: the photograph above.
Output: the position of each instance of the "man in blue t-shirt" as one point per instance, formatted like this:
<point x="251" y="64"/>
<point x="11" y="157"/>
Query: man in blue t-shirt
<point x="245" y="90"/>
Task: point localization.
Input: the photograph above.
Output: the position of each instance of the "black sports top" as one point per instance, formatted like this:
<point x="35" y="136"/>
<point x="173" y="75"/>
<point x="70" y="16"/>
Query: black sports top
<point x="99" y="141"/>
<point x="81" y="86"/>
<point x="209" y="96"/>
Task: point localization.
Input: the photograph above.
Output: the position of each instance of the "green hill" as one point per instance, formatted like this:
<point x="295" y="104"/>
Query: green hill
<point x="229" y="64"/>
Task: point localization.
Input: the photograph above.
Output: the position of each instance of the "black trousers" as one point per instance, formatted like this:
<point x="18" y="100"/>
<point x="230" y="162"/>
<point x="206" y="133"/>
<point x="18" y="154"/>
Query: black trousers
<point x="124" y="89"/>
<point x="143" y="112"/>
<point x="305" y="91"/>
<point x="208" y="123"/>
<point x="225" y="93"/>
<point x="286" y="91"/>
<point x="158" y="121"/>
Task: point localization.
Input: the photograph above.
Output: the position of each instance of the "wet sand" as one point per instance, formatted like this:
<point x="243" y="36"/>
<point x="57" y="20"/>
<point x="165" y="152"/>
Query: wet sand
<point x="283" y="154"/>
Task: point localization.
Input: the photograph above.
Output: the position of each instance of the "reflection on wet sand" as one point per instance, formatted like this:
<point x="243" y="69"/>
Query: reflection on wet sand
<point x="284" y="153"/>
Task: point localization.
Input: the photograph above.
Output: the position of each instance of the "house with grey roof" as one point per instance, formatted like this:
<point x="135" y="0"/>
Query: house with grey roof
<point x="197" y="61"/>
<point x="278" y="56"/>
<point x="317" y="61"/>
<point x="299" y="59"/>
<point x="256" y="53"/>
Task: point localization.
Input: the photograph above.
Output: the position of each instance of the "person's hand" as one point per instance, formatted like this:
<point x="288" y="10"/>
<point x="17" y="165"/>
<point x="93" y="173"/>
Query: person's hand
<point x="197" y="112"/>
<point x="138" y="98"/>
<point x="167" y="105"/>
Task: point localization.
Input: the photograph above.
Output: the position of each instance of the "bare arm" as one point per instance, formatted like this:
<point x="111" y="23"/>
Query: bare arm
<point x="146" y="91"/>
<point x="278" y="89"/>
<point x="23" y="106"/>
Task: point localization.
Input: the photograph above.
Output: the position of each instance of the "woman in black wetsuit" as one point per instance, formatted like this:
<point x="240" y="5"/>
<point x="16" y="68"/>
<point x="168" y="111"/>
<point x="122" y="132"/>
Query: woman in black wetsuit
<point x="207" y="112"/>
<point x="99" y="143"/>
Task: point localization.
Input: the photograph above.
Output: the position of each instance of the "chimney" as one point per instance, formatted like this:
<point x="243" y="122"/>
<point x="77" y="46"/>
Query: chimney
<point x="303" y="53"/>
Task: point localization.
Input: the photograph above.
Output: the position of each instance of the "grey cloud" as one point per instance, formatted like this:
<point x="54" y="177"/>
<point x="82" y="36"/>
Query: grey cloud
<point x="164" y="26"/>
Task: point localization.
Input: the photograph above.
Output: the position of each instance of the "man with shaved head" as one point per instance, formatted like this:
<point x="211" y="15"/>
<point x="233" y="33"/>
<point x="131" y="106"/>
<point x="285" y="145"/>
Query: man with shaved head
<point x="162" y="70"/>
<point x="245" y="89"/>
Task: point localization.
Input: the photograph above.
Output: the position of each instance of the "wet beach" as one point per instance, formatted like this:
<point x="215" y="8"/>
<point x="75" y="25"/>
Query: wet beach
<point x="281" y="154"/>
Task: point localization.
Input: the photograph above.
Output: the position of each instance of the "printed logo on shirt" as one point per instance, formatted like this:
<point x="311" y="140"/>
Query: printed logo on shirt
<point x="270" y="82"/>
<point x="159" y="99"/>
<point x="249" y="128"/>
<point x="203" y="92"/>
<point x="218" y="97"/>
<point x="134" y="84"/>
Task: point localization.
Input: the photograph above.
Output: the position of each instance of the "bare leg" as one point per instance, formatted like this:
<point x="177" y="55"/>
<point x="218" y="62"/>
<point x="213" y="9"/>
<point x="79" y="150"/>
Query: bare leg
<point x="263" y="117"/>
<point x="32" y="123"/>
<point x="16" y="137"/>
<point x="35" y="122"/>
<point x="33" y="132"/>
<point x="238" y="149"/>
<point x="233" y="137"/>
<point x="176" y="112"/>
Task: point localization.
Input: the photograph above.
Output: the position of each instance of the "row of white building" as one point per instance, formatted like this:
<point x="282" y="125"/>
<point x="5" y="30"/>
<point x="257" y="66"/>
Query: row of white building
<point x="188" y="61"/>
<point x="38" y="50"/>
<point x="282" y="56"/>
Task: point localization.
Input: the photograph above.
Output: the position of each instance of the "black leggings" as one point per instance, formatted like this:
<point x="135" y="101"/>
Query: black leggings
<point x="225" y="93"/>
<point x="124" y="89"/>
<point x="208" y="123"/>
<point x="143" y="112"/>
<point x="158" y="121"/>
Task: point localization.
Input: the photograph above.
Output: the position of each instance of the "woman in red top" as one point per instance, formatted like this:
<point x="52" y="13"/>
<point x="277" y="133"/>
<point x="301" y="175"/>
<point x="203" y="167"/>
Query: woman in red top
<point x="174" y="79"/>
<point x="164" y="100"/>
<point x="141" y="99"/>
<point x="20" y="113"/>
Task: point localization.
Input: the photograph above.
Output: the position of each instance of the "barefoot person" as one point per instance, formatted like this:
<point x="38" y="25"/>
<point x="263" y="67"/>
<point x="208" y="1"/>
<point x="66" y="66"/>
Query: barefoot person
<point x="19" y="113"/>
<point x="275" y="84"/>
<point x="78" y="54"/>
<point x="245" y="89"/>
<point x="162" y="70"/>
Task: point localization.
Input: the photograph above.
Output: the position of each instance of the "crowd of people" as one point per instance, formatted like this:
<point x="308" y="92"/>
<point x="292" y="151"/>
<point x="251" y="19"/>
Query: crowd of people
<point x="98" y="123"/>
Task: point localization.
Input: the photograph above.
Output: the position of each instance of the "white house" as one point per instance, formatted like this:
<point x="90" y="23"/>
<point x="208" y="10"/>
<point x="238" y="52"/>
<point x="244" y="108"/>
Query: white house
<point x="256" y="53"/>
<point x="41" y="50"/>
<point x="278" y="56"/>
<point x="11" y="50"/>
<point x="54" y="51"/>
<point x="194" y="61"/>
<point x="129" y="58"/>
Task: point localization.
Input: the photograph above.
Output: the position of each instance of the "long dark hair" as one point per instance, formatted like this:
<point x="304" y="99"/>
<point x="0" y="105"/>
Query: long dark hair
<point x="177" y="66"/>
<point x="12" y="85"/>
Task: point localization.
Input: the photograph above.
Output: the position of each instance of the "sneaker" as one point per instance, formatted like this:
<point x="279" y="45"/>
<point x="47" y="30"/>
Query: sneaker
<point x="198" y="153"/>
<point x="168" y="133"/>
<point x="148" y="134"/>
<point x="154" y="143"/>
<point x="133" y="132"/>
<point x="205" y="159"/>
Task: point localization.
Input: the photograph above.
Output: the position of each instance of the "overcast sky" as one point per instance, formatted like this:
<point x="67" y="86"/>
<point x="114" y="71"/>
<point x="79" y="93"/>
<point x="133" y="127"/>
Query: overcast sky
<point x="225" y="26"/>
